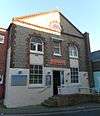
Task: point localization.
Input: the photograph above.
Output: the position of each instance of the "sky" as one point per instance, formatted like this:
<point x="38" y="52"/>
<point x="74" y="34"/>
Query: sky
<point x="84" y="14"/>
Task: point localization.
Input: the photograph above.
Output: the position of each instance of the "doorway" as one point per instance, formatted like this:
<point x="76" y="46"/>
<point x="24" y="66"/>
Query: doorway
<point x="56" y="82"/>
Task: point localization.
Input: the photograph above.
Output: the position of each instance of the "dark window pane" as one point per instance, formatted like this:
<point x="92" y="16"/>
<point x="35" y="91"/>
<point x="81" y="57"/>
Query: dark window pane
<point x="40" y="81"/>
<point x="36" y="71"/>
<point x="40" y="71"/>
<point x="56" y="51"/>
<point x="33" y="46"/>
<point x="39" y="47"/>
<point x="40" y="67"/>
<point x="36" y="67"/>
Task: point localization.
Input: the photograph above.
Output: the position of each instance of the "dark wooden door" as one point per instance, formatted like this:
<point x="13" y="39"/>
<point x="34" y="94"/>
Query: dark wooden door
<point x="56" y="82"/>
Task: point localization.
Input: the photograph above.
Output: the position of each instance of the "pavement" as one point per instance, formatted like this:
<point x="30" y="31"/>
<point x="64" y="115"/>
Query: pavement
<point x="41" y="109"/>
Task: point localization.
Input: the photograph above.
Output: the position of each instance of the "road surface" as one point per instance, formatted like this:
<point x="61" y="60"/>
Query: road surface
<point x="79" y="112"/>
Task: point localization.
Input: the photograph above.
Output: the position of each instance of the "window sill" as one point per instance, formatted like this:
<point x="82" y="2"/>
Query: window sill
<point x="73" y="57"/>
<point x="75" y="84"/>
<point x="57" y="54"/>
<point x="32" y="86"/>
<point x="36" y="52"/>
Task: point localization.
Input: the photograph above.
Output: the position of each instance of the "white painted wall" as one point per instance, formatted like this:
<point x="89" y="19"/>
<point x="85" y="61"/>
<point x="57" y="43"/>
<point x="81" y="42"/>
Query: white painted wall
<point x="36" y="59"/>
<point x="81" y="87"/>
<point x="17" y="96"/>
<point x="84" y="82"/>
<point x="74" y="63"/>
<point x="71" y="88"/>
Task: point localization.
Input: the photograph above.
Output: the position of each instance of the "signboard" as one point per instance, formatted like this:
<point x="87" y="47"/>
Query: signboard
<point x="57" y="62"/>
<point x="18" y="80"/>
<point x="1" y="39"/>
<point x="48" y="80"/>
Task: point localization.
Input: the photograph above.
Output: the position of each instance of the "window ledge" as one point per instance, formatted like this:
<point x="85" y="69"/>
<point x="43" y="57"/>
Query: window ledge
<point x="35" y="86"/>
<point x="75" y="83"/>
<point x="36" y="52"/>
<point x="72" y="57"/>
<point x="57" y="54"/>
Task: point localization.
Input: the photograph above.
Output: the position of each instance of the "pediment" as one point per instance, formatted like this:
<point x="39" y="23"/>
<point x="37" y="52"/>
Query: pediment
<point x="52" y="21"/>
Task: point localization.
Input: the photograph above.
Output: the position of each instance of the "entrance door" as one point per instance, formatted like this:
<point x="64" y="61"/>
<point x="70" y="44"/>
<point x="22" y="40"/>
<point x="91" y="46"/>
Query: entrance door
<point x="56" y="82"/>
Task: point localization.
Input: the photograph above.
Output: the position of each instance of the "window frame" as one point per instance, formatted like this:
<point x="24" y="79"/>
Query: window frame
<point x="74" y="75"/>
<point x="57" y="40"/>
<point x="72" y="51"/>
<point x="59" y="49"/>
<point x="36" y="47"/>
<point x="35" y="84"/>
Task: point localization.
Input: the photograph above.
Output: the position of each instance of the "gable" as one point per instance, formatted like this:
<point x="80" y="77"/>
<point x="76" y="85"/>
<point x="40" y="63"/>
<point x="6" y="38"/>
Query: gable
<point x="52" y="22"/>
<point x="68" y="27"/>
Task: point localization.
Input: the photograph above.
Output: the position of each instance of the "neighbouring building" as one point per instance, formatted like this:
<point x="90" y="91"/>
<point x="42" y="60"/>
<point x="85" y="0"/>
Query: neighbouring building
<point x="95" y="57"/>
<point x="47" y="56"/>
<point x="3" y="55"/>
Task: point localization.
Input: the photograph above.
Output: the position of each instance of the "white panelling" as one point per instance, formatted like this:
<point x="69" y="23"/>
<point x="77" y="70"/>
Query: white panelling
<point x="74" y="63"/>
<point x="36" y="59"/>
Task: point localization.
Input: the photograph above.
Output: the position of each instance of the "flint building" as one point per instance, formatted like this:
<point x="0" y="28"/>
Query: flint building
<point x="47" y="56"/>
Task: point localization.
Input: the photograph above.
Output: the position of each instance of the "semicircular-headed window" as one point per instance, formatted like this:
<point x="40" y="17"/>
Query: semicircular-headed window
<point x="73" y="51"/>
<point x="36" y="45"/>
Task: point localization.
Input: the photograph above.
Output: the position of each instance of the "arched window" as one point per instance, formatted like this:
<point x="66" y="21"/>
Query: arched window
<point x="36" y="45"/>
<point x="73" y="51"/>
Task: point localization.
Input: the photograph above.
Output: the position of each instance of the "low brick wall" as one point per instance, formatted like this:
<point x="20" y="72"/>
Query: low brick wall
<point x="68" y="100"/>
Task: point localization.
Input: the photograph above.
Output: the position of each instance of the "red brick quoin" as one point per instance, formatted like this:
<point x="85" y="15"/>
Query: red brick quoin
<point x="3" y="57"/>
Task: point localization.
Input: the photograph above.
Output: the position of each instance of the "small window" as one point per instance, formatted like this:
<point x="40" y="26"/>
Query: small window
<point x="39" y="47"/>
<point x="35" y="74"/>
<point x="74" y="75"/>
<point x="57" y="47"/>
<point x="33" y="46"/>
<point x="36" y="45"/>
<point x="73" y="52"/>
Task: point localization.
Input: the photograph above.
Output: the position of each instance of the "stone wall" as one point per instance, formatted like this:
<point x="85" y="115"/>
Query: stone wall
<point x="20" y="48"/>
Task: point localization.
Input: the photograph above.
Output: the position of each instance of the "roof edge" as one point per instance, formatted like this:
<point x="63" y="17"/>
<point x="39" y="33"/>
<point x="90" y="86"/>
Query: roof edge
<point x="71" y="24"/>
<point x="95" y="51"/>
<point x="2" y="29"/>
<point x="35" y="14"/>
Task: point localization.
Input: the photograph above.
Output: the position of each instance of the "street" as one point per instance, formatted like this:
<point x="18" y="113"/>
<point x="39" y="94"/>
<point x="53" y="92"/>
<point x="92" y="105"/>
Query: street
<point x="79" y="112"/>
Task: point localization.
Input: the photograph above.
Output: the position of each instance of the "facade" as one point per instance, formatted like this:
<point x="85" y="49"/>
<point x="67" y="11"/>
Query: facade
<point x="3" y="52"/>
<point x="95" y="56"/>
<point x="46" y="57"/>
